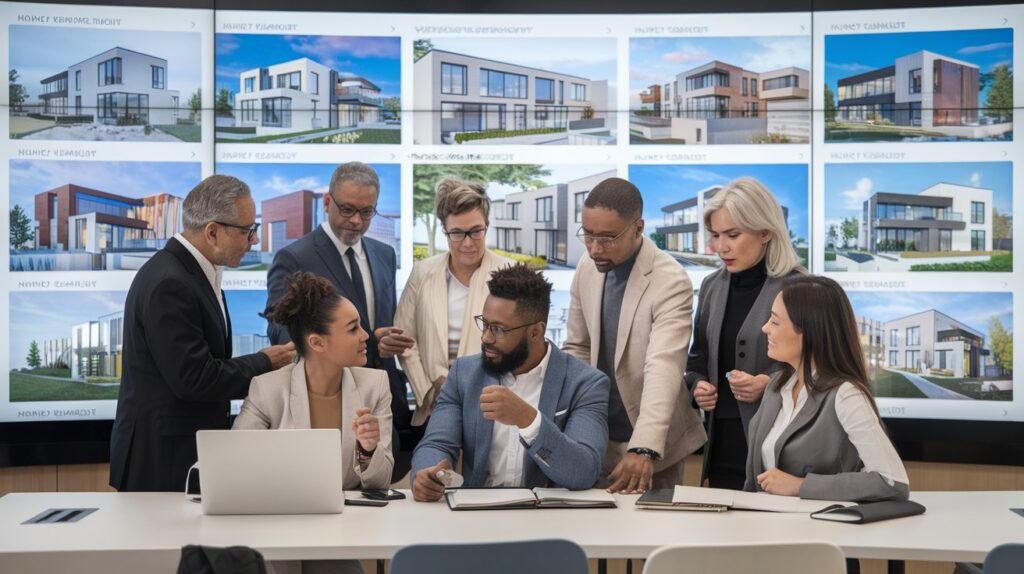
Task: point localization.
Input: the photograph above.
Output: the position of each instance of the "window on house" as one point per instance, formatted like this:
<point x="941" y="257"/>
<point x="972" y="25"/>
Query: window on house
<point x="109" y="72"/>
<point x="453" y="79"/>
<point x="977" y="212"/>
<point x="915" y="81"/>
<point x="159" y="74"/>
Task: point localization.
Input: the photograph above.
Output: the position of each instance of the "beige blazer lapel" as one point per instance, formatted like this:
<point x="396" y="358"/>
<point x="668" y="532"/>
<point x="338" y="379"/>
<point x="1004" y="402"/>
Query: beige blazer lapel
<point x="436" y="292"/>
<point x="297" y="416"/>
<point x="636" y="286"/>
<point x="350" y="401"/>
<point x="592" y="293"/>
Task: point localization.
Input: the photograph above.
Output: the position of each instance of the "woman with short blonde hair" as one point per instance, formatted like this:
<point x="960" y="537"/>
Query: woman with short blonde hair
<point x="728" y="366"/>
<point x="445" y="292"/>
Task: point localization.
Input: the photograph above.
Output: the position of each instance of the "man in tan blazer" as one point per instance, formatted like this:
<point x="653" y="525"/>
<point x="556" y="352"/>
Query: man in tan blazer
<point x="630" y="316"/>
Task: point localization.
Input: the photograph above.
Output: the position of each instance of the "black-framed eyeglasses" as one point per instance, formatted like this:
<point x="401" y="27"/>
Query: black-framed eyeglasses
<point x="459" y="235"/>
<point x="497" y="331"/>
<point x="251" y="230"/>
<point x="348" y="211"/>
<point x="603" y="241"/>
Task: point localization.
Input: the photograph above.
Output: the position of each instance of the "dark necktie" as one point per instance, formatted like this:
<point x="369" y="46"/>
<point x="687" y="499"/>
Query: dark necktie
<point x="357" y="284"/>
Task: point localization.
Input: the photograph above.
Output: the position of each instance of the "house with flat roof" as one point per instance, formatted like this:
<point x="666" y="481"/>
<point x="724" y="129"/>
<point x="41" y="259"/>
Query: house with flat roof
<point x="684" y="228"/>
<point x="931" y="342"/>
<point x="943" y="217"/>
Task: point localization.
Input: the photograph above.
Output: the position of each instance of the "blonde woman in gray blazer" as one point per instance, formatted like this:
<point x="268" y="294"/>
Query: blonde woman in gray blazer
<point x="434" y="319"/>
<point x="728" y="365"/>
<point x="817" y="434"/>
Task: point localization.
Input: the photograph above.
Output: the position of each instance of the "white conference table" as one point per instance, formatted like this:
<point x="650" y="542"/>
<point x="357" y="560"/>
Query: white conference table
<point x="144" y="532"/>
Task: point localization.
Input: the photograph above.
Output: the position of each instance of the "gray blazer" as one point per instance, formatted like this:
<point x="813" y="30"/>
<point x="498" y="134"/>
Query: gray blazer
<point x="815" y="447"/>
<point x="573" y="433"/>
<point x="751" y="344"/>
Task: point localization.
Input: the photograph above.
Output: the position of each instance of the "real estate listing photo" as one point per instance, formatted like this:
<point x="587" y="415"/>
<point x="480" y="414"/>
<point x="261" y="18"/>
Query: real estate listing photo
<point x="86" y="84"/>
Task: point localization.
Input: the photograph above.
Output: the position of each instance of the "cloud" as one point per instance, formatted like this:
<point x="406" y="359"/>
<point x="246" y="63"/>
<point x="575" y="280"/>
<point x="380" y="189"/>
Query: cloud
<point x="976" y="179"/>
<point x="644" y="76"/>
<point x="702" y="176"/>
<point x="283" y="186"/>
<point x="329" y="49"/>
<point x="966" y="50"/>
<point x="688" y="57"/>
<point x="852" y="68"/>
<point x="853" y="199"/>
<point x="774" y="53"/>
<point x="226" y="44"/>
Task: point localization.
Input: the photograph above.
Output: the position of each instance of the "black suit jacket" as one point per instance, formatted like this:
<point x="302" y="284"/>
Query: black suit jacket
<point x="317" y="254"/>
<point x="177" y="373"/>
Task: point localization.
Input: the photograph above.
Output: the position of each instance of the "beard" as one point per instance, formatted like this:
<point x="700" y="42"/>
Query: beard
<point x="506" y="362"/>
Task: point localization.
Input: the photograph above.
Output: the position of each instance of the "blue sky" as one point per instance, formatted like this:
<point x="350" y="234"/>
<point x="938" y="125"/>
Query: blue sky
<point x="659" y="60"/>
<point x="663" y="185"/>
<point x="376" y="58"/>
<point x="849" y="185"/>
<point x="39" y="52"/>
<point x="135" y="179"/>
<point x="40" y="316"/>
<point x="245" y="307"/>
<point x="973" y="309"/>
<point x="849" y="55"/>
<point x="591" y="58"/>
<point x="269" y="180"/>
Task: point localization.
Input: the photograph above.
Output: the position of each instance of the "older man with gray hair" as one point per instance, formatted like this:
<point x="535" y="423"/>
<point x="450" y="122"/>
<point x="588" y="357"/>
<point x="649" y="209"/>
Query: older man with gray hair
<point x="178" y="374"/>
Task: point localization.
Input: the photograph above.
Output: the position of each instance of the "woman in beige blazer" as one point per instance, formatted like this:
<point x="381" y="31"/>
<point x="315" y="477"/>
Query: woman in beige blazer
<point x="326" y="388"/>
<point x="445" y="292"/>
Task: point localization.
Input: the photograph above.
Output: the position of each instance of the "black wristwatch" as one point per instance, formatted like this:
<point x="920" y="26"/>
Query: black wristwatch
<point x="646" y="452"/>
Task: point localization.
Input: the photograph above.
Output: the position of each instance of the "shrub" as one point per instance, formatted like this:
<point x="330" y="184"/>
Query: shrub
<point x="464" y="137"/>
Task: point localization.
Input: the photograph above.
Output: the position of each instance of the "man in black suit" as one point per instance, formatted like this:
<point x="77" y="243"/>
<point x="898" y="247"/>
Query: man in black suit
<point x="178" y="375"/>
<point x="362" y="270"/>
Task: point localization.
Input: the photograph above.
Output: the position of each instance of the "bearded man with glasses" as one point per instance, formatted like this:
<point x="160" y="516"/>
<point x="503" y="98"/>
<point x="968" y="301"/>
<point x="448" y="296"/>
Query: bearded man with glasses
<point x="362" y="269"/>
<point x="523" y="413"/>
<point x="630" y="316"/>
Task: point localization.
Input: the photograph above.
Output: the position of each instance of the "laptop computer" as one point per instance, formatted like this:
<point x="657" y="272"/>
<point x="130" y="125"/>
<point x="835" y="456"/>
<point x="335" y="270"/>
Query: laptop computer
<point x="270" y="471"/>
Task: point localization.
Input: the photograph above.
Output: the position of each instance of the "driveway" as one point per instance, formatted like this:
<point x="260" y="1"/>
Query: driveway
<point x="930" y="389"/>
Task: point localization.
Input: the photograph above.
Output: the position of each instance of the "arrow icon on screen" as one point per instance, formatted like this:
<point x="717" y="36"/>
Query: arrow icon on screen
<point x="192" y="24"/>
<point x="193" y="154"/>
<point x="802" y="28"/>
<point x="1004" y="20"/>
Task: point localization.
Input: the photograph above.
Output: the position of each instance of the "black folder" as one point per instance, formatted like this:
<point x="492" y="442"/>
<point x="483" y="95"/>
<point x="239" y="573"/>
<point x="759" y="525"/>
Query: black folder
<point x="870" y="511"/>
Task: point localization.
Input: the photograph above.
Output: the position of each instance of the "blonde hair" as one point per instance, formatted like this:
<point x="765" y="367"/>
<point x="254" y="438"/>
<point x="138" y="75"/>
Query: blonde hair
<point x="454" y="196"/>
<point x="754" y="208"/>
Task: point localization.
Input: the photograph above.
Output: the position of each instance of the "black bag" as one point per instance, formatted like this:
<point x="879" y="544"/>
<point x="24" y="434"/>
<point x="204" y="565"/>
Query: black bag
<point x="211" y="560"/>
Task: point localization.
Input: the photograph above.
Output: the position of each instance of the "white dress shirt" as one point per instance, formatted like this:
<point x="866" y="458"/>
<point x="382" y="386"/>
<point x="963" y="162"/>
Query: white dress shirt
<point x="505" y="461"/>
<point x="457" y="296"/>
<point x="853" y="409"/>
<point x="213" y="273"/>
<point x="364" y="268"/>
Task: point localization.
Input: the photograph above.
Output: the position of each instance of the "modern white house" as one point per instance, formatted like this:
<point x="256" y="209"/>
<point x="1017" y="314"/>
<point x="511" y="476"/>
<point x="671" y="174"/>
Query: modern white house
<point x="115" y="86"/>
<point x="931" y="342"/>
<point x="460" y="93"/>
<point x="720" y="103"/>
<point x="943" y="217"/>
<point x="304" y="95"/>
<point x="543" y="222"/>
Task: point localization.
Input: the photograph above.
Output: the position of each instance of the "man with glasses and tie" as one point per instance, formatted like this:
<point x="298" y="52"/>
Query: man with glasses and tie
<point x="523" y="413"/>
<point x="630" y="316"/>
<point x="178" y="374"/>
<point x="362" y="270"/>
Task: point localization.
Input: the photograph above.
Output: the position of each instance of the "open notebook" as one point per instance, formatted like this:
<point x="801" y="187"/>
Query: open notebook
<point x="719" y="499"/>
<point x="508" y="498"/>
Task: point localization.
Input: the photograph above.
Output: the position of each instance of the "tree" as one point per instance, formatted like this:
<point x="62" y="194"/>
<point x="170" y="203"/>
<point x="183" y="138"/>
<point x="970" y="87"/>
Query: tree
<point x="659" y="240"/>
<point x="21" y="227"/>
<point x="18" y="93"/>
<point x="833" y="235"/>
<point x="33" y="358"/>
<point x="999" y="103"/>
<point x="393" y="106"/>
<point x="222" y="106"/>
<point x="426" y="176"/>
<point x="421" y="48"/>
<point x="1000" y="225"/>
<point x="587" y="113"/>
<point x="850" y="228"/>
<point x="1001" y="342"/>
<point x="195" y="103"/>
<point x="830" y="105"/>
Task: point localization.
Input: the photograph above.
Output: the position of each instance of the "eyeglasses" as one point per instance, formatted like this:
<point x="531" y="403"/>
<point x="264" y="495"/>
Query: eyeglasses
<point x="251" y="230"/>
<point x="497" y="331"/>
<point x="459" y="235"/>
<point x="589" y="239"/>
<point x="348" y="211"/>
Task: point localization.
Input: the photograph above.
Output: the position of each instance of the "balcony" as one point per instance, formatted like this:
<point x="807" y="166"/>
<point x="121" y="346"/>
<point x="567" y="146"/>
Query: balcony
<point x="360" y="95"/>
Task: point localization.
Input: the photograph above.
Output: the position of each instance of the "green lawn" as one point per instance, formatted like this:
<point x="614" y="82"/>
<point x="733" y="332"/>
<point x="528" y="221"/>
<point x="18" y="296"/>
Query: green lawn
<point x="370" y="136"/>
<point x="192" y="133"/>
<point x="868" y="132"/>
<point x="890" y="384"/>
<point x="265" y="139"/>
<point x="638" y="139"/>
<point x="1001" y="263"/>
<point x="22" y="126"/>
<point x="964" y="387"/>
<point x="25" y="388"/>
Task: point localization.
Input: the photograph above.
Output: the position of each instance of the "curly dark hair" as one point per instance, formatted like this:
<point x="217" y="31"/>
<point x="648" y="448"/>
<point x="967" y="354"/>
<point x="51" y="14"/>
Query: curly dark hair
<point x="618" y="195"/>
<point x="524" y="285"/>
<point x="306" y="307"/>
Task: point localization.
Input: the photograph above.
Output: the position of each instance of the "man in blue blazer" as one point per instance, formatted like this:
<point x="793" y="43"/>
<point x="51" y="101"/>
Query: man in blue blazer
<point x="523" y="413"/>
<point x="362" y="269"/>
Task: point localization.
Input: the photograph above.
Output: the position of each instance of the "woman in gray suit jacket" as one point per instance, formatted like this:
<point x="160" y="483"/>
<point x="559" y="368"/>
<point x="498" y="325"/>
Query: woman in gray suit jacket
<point x="818" y="434"/>
<point x="728" y="366"/>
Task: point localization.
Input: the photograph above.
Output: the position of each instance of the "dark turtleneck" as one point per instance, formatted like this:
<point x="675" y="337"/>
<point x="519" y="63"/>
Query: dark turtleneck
<point x="744" y="287"/>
